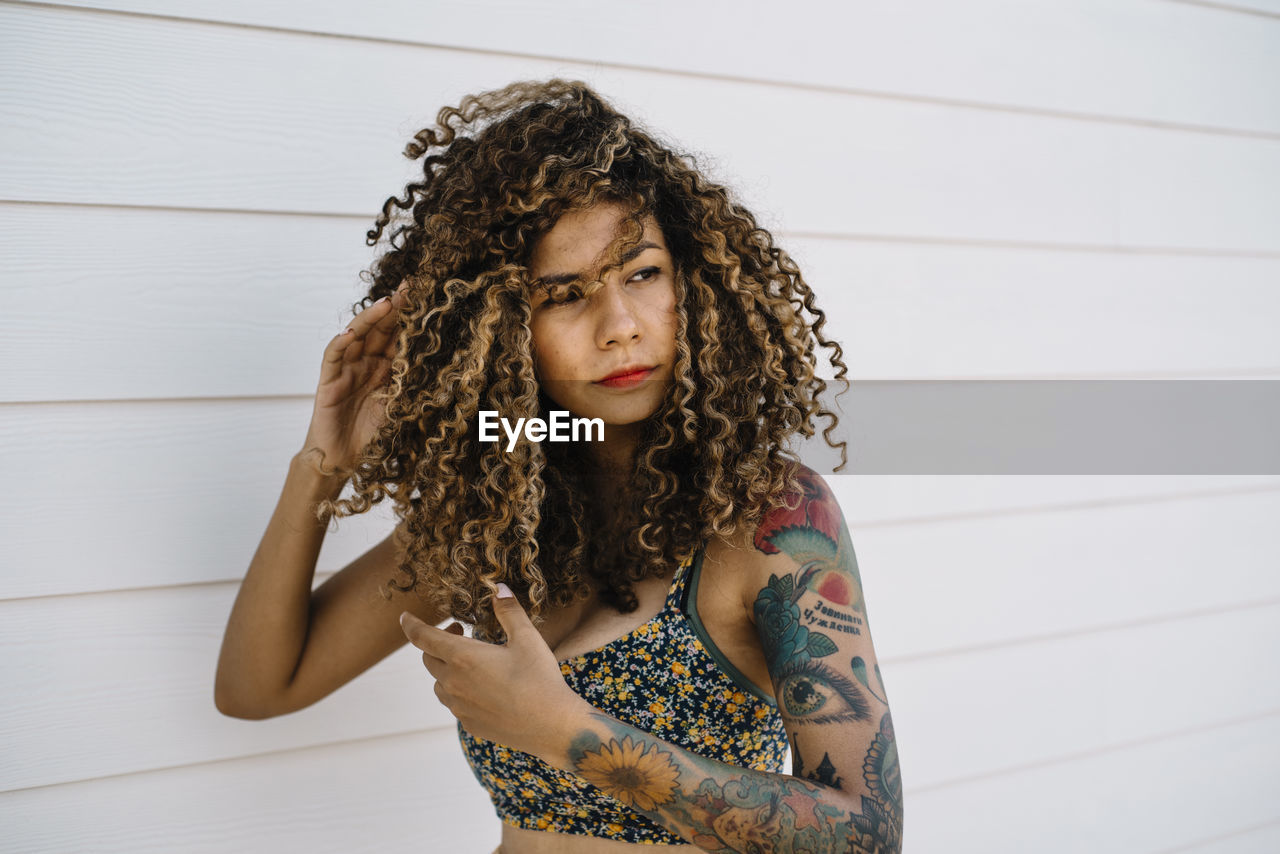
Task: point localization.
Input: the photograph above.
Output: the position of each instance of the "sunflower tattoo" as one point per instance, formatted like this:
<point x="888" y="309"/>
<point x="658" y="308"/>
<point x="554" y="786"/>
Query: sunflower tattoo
<point x="638" y="777"/>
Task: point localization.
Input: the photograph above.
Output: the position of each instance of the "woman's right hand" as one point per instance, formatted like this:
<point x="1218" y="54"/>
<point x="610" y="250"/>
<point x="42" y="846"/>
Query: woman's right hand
<point x="357" y="363"/>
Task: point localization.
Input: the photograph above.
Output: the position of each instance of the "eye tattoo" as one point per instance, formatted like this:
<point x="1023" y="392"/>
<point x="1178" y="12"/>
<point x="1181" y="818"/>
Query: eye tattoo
<point x="813" y="693"/>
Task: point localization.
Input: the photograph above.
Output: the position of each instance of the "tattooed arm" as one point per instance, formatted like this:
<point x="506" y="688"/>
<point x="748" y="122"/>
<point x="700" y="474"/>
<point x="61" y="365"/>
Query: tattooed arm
<point x="811" y="621"/>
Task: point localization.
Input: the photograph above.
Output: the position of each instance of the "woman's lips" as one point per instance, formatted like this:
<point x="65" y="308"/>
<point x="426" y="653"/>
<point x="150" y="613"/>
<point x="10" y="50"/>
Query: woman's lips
<point x="627" y="380"/>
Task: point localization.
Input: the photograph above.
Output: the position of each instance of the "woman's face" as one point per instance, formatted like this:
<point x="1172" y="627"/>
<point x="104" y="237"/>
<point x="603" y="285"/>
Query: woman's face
<point x="610" y="354"/>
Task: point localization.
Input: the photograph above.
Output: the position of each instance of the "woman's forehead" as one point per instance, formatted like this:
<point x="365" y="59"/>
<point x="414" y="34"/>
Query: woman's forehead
<point x="580" y="240"/>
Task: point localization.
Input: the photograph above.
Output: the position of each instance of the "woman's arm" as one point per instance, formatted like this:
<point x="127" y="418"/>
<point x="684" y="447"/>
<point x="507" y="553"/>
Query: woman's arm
<point x="267" y="628"/>
<point x="810" y="617"/>
<point x="721" y="807"/>
<point x="285" y="646"/>
<point x="811" y="621"/>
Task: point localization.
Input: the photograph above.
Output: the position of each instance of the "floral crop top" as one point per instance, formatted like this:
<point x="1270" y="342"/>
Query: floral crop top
<point x="665" y="677"/>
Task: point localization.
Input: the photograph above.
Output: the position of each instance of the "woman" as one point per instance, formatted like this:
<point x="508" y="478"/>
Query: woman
<point x="661" y="604"/>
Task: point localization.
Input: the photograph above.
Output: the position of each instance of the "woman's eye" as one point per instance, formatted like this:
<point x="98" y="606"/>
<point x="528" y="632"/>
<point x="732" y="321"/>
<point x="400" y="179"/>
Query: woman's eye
<point x="646" y="274"/>
<point x="812" y="693"/>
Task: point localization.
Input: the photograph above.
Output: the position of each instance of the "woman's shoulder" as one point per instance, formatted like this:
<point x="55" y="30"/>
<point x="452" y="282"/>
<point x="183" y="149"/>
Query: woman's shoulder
<point x="805" y="519"/>
<point x="809" y="509"/>
<point x="810" y="504"/>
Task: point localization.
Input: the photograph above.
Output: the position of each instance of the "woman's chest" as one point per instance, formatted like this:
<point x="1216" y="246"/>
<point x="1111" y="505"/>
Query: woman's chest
<point x="714" y="604"/>
<point x="587" y="626"/>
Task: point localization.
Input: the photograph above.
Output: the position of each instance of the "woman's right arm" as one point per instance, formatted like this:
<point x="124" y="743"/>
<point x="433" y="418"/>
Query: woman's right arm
<point x="286" y="646"/>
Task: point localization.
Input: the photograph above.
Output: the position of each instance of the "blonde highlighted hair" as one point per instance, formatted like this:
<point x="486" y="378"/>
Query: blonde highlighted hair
<point x="497" y="172"/>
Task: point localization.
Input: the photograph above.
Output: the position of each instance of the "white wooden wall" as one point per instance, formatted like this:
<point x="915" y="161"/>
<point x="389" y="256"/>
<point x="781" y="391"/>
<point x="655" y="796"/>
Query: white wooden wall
<point x="987" y="189"/>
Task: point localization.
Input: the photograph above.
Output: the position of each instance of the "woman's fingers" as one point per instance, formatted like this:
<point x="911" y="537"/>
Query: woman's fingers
<point x="372" y="332"/>
<point x="354" y="351"/>
<point x="383" y="330"/>
<point x="340" y="346"/>
<point x="435" y="666"/>
<point x="337" y="346"/>
<point x="368" y="318"/>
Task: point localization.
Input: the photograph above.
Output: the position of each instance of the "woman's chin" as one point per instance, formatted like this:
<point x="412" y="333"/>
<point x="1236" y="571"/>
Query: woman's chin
<point x="618" y="413"/>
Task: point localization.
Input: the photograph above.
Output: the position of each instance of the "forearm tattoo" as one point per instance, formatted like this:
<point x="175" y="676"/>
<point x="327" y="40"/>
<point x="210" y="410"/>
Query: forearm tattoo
<point x="723" y="808"/>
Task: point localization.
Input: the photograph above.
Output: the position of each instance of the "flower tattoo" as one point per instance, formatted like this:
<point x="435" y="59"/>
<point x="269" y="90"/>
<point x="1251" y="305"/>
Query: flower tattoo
<point x="779" y="618"/>
<point x="638" y="777"/>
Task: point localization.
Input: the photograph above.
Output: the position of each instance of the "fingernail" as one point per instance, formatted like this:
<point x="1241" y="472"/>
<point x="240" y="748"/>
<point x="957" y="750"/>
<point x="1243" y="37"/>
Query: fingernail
<point x="379" y="299"/>
<point x="504" y="592"/>
<point x="345" y="331"/>
<point x="404" y="618"/>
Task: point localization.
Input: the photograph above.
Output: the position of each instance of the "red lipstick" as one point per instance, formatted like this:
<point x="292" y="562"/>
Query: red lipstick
<point x="627" y="377"/>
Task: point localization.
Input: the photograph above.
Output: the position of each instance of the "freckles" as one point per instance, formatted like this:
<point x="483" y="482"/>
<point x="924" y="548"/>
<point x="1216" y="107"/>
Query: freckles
<point x="555" y="353"/>
<point x="554" y="363"/>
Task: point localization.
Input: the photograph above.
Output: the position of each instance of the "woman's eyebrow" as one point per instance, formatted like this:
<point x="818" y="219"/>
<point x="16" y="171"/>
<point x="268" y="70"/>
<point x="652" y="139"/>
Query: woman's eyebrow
<point x="629" y="255"/>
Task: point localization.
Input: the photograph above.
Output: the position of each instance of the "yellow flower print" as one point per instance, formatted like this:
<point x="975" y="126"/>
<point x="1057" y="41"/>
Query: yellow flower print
<point x="636" y="776"/>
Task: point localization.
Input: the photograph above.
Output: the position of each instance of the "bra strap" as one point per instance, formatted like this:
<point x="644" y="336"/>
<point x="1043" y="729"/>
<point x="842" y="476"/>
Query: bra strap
<point x="680" y="581"/>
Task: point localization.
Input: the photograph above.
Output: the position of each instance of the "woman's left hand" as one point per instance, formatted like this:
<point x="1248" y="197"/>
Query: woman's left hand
<point x="513" y="693"/>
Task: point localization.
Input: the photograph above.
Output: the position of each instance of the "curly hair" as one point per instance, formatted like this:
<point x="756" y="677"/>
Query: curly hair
<point x="498" y="171"/>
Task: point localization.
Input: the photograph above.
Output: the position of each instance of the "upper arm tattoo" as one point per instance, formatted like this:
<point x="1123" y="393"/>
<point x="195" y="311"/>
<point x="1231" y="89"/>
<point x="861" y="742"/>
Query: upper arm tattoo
<point x="810" y="691"/>
<point x="815" y="536"/>
<point x="813" y="683"/>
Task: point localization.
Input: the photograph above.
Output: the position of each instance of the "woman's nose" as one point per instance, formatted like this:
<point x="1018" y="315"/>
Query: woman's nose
<point x="617" y="322"/>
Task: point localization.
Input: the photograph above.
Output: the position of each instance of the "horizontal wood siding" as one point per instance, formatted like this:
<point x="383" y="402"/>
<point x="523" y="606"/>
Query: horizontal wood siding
<point x="995" y="189"/>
